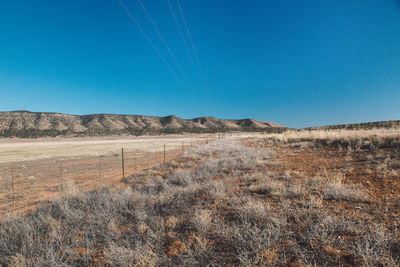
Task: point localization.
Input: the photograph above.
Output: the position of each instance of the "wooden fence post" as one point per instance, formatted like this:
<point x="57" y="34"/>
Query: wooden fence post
<point x="182" y="148"/>
<point x="164" y="154"/>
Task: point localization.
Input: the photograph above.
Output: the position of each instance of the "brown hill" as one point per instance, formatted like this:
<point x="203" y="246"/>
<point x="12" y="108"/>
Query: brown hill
<point x="40" y="124"/>
<point x="360" y="126"/>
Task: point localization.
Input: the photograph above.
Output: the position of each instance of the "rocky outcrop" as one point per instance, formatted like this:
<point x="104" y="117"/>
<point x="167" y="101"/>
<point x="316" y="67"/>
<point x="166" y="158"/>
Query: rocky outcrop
<point x="40" y="124"/>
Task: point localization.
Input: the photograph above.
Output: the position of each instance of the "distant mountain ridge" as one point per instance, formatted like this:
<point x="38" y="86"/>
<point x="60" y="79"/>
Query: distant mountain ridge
<point x="24" y="123"/>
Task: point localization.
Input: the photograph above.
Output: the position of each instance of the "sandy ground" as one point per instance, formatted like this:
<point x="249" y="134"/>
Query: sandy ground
<point x="17" y="150"/>
<point x="36" y="170"/>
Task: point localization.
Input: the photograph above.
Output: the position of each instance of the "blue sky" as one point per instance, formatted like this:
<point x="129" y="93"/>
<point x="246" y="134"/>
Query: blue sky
<point x="298" y="63"/>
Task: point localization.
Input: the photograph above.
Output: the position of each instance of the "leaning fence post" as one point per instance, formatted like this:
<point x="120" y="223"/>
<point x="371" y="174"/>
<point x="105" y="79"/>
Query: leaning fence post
<point x="123" y="164"/>
<point x="12" y="184"/>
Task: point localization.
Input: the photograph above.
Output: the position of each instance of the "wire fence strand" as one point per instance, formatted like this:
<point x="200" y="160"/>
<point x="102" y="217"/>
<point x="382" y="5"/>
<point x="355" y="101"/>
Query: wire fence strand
<point x="24" y="185"/>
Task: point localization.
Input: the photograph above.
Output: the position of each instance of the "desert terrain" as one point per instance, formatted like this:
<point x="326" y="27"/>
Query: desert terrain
<point x="19" y="150"/>
<point x="299" y="198"/>
<point x="36" y="170"/>
<point x="199" y="133"/>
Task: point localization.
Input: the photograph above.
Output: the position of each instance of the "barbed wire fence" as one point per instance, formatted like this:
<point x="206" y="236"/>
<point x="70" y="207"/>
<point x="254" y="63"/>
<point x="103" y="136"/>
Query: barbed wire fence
<point x="26" y="184"/>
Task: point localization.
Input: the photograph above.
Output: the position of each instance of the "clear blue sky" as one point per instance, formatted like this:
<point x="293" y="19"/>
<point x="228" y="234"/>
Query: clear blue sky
<point x="298" y="63"/>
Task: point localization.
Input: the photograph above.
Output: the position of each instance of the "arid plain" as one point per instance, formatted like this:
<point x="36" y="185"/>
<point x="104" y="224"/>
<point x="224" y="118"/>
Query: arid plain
<point x="14" y="150"/>
<point x="298" y="198"/>
<point x="35" y="170"/>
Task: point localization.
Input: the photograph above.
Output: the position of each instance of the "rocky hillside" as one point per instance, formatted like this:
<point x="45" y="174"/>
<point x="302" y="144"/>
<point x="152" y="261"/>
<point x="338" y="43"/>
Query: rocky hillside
<point x="41" y="124"/>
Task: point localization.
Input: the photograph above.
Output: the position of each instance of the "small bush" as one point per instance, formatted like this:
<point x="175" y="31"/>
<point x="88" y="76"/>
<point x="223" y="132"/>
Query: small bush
<point x="339" y="191"/>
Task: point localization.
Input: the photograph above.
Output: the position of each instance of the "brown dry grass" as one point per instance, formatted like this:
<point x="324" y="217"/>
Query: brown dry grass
<point x="18" y="151"/>
<point x="87" y="163"/>
<point x="265" y="201"/>
<point x="35" y="184"/>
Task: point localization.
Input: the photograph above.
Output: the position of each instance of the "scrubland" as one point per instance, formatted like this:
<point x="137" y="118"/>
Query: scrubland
<point x="292" y="199"/>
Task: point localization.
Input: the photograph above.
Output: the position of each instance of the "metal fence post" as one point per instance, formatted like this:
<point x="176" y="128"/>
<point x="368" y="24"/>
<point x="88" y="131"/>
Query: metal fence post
<point x="61" y="177"/>
<point x="99" y="170"/>
<point x="135" y="163"/>
<point x="123" y="164"/>
<point x="12" y="184"/>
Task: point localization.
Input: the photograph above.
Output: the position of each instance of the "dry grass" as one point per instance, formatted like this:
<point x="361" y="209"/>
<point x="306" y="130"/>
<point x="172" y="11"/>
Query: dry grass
<point x="268" y="202"/>
<point x="341" y="134"/>
<point x="15" y="150"/>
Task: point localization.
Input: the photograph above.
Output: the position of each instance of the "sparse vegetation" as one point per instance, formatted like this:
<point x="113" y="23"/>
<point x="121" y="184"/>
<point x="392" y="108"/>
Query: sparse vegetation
<point x="275" y="201"/>
<point x="25" y="124"/>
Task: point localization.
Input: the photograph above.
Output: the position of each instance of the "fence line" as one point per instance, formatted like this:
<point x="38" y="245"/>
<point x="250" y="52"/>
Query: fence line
<point x="34" y="183"/>
<point x="40" y="180"/>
